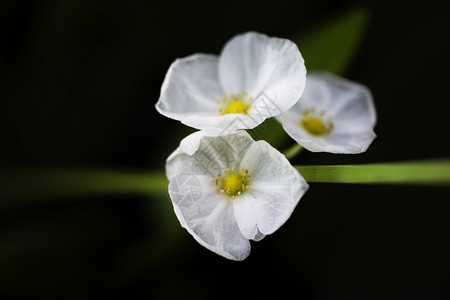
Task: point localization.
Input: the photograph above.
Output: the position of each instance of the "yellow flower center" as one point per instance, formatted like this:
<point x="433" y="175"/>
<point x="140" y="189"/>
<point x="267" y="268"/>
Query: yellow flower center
<point x="236" y="107"/>
<point x="234" y="104"/>
<point x="314" y="123"/>
<point x="232" y="183"/>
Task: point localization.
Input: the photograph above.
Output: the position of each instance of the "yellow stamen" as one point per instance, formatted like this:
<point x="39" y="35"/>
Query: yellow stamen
<point x="235" y="104"/>
<point x="314" y="123"/>
<point x="233" y="183"/>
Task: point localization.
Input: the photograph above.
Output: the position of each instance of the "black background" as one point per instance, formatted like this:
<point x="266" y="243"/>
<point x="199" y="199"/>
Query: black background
<point x="78" y="84"/>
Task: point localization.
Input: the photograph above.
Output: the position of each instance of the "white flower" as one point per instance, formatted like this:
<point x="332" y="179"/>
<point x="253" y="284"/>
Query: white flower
<point x="333" y="115"/>
<point x="254" y="78"/>
<point x="229" y="189"/>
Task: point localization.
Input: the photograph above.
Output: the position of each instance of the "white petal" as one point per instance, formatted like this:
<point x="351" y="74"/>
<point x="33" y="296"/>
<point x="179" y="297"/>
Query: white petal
<point x="207" y="216"/>
<point x="259" y="236"/>
<point x="348" y="104"/>
<point x="263" y="66"/>
<point x="226" y="124"/>
<point x="336" y="142"/>
<point x="350" y="101"/>
<point x="181" y="161"/>
<point x="318" y="93"/>
<point x="275" y="189"/>
<point x="261" y="108"/>
<point x="208" y="155"/>
<point x="191" y="88"/>
<point x="349" y="143"/>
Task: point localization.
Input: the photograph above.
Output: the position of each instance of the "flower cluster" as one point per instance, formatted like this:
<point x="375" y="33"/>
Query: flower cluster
<point x="227" y="188"/>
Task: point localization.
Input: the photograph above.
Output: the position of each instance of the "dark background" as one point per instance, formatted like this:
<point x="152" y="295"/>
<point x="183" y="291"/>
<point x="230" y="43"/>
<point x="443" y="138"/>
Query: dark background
<point x="78" y="84"/>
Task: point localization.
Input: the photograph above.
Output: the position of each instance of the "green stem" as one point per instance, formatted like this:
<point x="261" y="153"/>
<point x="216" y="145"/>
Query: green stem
<point x="18" y="186"/>
<point x="293" y="151"/>
<point x="427" y="172"/>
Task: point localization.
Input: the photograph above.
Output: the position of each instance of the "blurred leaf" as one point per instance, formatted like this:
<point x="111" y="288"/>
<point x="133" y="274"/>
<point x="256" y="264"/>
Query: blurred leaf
<point x="332" y="46"/>
<point x="427" y="172"/>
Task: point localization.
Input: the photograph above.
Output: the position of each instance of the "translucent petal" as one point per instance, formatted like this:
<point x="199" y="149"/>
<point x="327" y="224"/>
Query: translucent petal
<point x="182" y="160"/>
<point x="191" y="88"/>
<point x="348" y="105"/>
<point x="207" y="216"/>
<point x="224" y="125"/>
<point x="208" y="155"/>
<point x="336" y="142"/>
<point x="275" y="189"/>
<point x="271" y="68"/>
